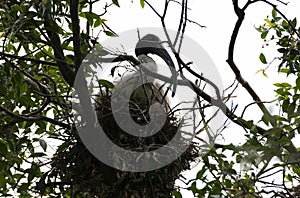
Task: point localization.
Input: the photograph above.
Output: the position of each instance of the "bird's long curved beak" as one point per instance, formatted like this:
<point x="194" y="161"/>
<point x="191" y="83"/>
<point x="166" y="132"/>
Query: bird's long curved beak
<point x="161" y="52"/>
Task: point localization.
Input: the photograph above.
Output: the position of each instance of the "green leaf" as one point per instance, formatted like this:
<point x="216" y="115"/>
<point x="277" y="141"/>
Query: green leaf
<point x="285" y="70"/>
<point x="3" y="90"/>
<point x="194" y="188"/>
<point x="284" y="85"/>
<point x="109" y="33"/>
<point x="278" y="33"/>
<point x="201" y="173"/>
<point x="270" y="23"/>
<point x="289" y="177"/>
<point x="24" y="187"/>
<point x="3" y="147"/>
<point x="274" y="13"/>
<point x="294" y="22"/>
<point x="264" y="34"/>
<point x="2" y="181"/>
<point x="264" y="74"/>
<point x="116" y="2"/>
<point x="262" y="58"/>
<point x="177" y="194"/>
<point x="285" y="24"/>
<point x="298" y="83"/>
<point x="37" y="155"/>
<point x="98" y="22"/>
<point x="24" y="88"/>
<point x="285" y="105"/>
<point x="142" y="2"/>
<point x="105" y="83"/>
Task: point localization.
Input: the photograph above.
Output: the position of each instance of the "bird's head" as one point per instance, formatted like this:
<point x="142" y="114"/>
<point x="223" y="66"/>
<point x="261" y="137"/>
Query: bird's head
<point x="151" y="44"/>
<point x="147" y="44"/>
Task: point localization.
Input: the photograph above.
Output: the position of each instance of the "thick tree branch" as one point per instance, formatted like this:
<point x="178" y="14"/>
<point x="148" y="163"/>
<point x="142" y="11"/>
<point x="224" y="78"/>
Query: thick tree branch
<point x="76" y="32"/>
<point x="241" y="14"/>
<point x="67" y="73"/>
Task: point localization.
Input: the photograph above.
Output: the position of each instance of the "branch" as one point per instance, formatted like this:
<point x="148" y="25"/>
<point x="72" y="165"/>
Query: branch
<point x="67" y="73"/>
<point x="34" y="118"/>
<point x="285" y="18"/>
<point x="76" y="33"/>
<point x="5" y="55"/>
<point x="241" y="14"/>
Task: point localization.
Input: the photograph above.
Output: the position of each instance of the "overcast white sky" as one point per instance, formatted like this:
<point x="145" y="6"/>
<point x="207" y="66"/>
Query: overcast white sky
<point x="219" y="18"/>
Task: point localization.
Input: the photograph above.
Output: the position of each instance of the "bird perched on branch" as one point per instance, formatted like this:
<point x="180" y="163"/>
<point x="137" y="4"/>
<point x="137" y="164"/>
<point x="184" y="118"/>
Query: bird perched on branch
<point x="143" y="96"/>
<point x="151" y="44"/>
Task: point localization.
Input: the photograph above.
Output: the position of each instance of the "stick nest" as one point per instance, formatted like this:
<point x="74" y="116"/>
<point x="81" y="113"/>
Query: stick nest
<point x="82" y="174"/>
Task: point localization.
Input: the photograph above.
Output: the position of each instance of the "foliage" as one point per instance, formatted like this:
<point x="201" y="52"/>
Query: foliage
<point x="271" y="151"/>
<point x="42" y="47"/>
<point x="38" y="60"/>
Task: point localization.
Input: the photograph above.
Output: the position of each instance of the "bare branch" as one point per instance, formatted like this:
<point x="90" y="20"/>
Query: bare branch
<point x="30" y="59"/>
<point x="34" y="118"/>
<point x="241" y="14"/>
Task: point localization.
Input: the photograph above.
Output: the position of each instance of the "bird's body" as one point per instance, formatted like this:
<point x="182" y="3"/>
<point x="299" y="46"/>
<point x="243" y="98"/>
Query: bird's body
<point x="144" y="95"/>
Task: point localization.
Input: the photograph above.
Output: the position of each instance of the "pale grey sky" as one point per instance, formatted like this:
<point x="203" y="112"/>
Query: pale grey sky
<point x="219" y="18"/>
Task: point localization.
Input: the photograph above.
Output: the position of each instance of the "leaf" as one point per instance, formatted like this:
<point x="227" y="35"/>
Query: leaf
<point x="284" y="70"/>
<point x="264" y="34"/>
<point x="289" y="177"/>
<point x="262" y="58"/>
<point x="116" y="2"/>
<point x="142" y="2"/>
<point x="98" y="22"/>
<point x="262" y="71"/>
<point x="43" y="144"/>
<point x="294" y="22"/>
<point x="284" y="85"/>
<point x="2" y="181"/>
<point x="201" y="173"/>
<point x="3" y="147"/>
<point x="193" y="188"/>
<point x="177" y="194"/>
<point x="105" y="83"/>
<point x="37" y="155"/>
<point x="264" y="74"/>
<point x="258" y="71"/>
<point x="298" y="83"/>
<point x="3" y="90"/>
<point x="278" y="33"/>
<point x="270" y="23"/>
<point x="109" y="33"/>
<point x="274" y="13"/>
